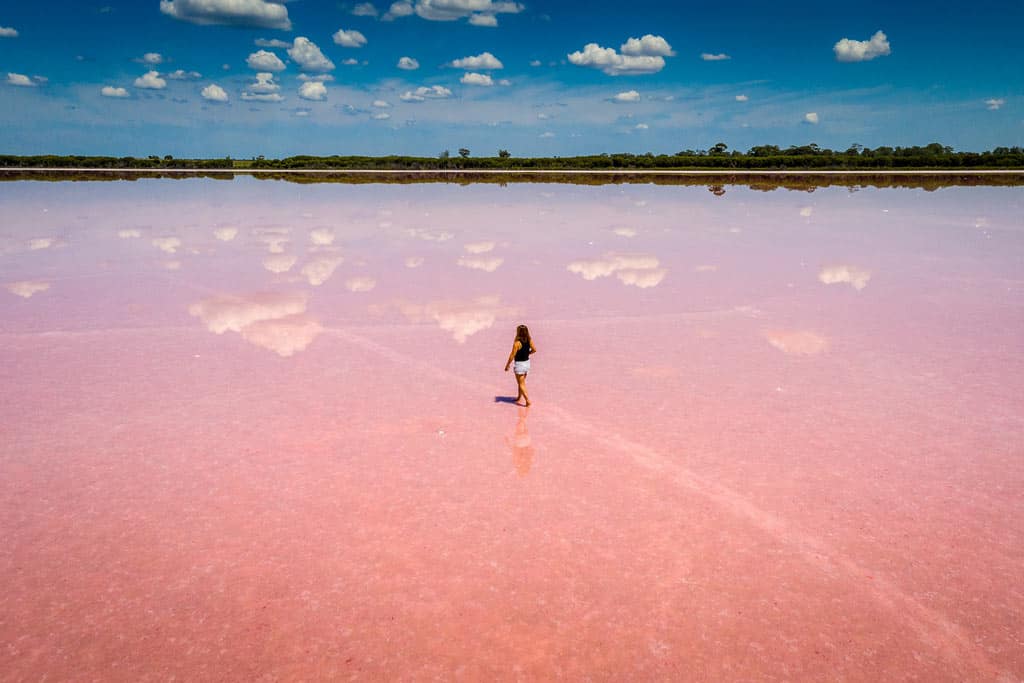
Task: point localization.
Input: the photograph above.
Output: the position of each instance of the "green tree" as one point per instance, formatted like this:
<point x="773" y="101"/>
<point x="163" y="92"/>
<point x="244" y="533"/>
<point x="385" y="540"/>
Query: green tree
<point x="503" y="153"/>
<point x="463" y="152"/>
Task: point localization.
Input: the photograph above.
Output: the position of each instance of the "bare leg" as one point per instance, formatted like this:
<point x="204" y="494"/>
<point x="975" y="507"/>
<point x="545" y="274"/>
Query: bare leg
<point x="521" y="380"/>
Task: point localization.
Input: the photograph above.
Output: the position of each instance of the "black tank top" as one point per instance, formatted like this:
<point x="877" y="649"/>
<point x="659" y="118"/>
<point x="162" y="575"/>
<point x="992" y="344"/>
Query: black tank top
<point x="524" y="352"/>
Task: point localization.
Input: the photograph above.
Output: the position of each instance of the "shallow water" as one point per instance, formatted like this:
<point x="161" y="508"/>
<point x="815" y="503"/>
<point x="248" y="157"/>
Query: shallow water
<point x="258" y="429"/>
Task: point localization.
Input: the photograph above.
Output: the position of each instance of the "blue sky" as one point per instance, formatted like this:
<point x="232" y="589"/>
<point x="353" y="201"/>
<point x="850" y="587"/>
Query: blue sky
<point x="250" y="77"/>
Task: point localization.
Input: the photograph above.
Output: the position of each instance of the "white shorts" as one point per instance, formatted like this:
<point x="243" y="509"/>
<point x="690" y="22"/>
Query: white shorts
<point x="521" y="367"/>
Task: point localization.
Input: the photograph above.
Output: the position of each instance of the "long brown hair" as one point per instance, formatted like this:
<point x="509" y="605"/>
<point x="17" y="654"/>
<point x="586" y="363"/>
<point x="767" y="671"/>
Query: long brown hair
<point x="523" y="336"/>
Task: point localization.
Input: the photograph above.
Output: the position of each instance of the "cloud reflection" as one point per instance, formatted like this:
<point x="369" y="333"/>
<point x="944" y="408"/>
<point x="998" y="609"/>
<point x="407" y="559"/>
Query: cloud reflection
<point x="225" y="234"/>
<point x="320" y="269"/>
<point x="488" y="265"/>
<point x="478" y="247"/>
<point x="639" y="270"/>
<point x="856" y="277"/>
<point x="797" y="342"/>
<point x="279" y="263"/>
<point x="462" y="318"/>
<point x="167" y="244"/>
<point x="26" y="288"/>
<point x="360" y="284"/>
<point x="272" y="320"/>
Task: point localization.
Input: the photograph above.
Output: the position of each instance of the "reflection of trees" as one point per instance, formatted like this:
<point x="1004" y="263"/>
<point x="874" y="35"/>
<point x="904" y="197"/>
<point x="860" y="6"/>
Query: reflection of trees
<point x="716" y="190"/>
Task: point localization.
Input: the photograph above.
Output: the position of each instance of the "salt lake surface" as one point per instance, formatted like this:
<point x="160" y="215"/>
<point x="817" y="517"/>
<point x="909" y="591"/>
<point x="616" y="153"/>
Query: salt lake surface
<point x="259" y="430"/>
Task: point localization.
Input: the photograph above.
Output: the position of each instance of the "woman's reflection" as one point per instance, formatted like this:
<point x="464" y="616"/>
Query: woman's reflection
<point x="522" y="448"/>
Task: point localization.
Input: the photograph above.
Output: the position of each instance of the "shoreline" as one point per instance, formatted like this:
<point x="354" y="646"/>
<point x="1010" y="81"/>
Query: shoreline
<point x="467" y="171"/>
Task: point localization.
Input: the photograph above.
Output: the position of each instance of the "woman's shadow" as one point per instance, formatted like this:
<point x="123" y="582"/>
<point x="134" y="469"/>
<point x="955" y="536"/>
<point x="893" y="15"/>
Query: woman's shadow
<point x="505" y="399"/>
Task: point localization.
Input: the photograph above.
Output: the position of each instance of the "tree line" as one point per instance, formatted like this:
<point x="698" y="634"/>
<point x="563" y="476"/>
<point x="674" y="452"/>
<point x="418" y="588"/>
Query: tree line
<point x="718" y="157"/>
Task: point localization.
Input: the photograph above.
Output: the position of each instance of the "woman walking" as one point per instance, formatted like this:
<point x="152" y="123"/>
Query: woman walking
<point x="522" y="347"/>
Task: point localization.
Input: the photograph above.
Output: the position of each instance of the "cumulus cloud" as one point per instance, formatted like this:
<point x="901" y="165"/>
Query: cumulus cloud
<point x="627" y="96"/>
<point x="150" y="81"/>
<point x="462" y="319"/>
<point x="381" y="116"/>
<point x="264" y="60"/>
<point x="742" y="98"/>
<point x="434" y="92"/>
<point x="264" y="89"/>
<point x="182" y="75"/>
<point x="323" y="78"/>
<point x="225" y="234"/>
<point x="320" y="269"/>
<point x="479" y="12"/>
<point x="719" y="57"/>
<point x="350" y="38"/>
<point x="364" y="9"/>
<point x="614" y="64"/>
<point x="478" y="247"/>
<point x="486" y="264"/>
<point x="380" y="104"/>
<point x="307" y="55"/>
<point x="20" y="80"/>
<point x="279" y="263"/>
<point x="153" y="58"/>
<point x="535" y="62"/>
<point x="641" y="126"/>
<point x="214" y="93"/>
<point x="273" y="42"/>
<point x="476" y="79"/>
<point x="313" y="90"/>
<point x="360" y="284"/>
<point x="797" y="342"/>
<point x="811" y="117"/>
<point x="484" y="61"/>
<point x="862" y="50"/>
<point x="408" y="64"/>
<point x="649" y="45"/>
<point x="995" y="103"/>
<point x="254" y="13"/>
<point x="402" y="8"/>
<point x="111" y="91"/>
<point x="638" y="270"/>
<point x="845" y="274"/>
<point x="26" y="288"/>
<point x="321" y="237"/>
<point x="8" y="32"/>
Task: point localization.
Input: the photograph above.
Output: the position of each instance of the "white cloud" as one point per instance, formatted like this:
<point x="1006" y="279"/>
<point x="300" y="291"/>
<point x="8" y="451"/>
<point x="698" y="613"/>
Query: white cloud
<point x="7" y="32"/>
<point x="811" y="117"/>
<point x="797" y="342"/>
<point x="488" y="264"/>
<point x="225" y="234"/>
<point x="150" y="81"/>
<point x="649" y="45"/>
<point x="350" y="61"/>
<point x="167" y="244"/>
<point x="255" y="13"/>
<point x="641" y="126"/>
<point x="26" y="288"/>
<point x="313" y="90"/>
<point x="214" y="93"/>
<point x="350" y="38"/>
<point x="485" y="61"/>
<point x="719" y="57"/>
<point x="264" y="89"/>
<point x="546" y="135"/>
<point x="461" y="318"/>
<point x="323" y="78"/>
<point x="182" y="75"/>
<point x="535" y="62"/>
<point x="434" y="92"/>
<point x="274" y="42"/>
<point x="638" y="270"/>
<point x="862" y="50"/>
<point x="320" y="269"/>
<point x="306" y="54"/>
<point x="153" y="58"/>
<point x="364" y="9"/>
<point x="381" y="116"/>
<point x="264" y="60"/>
<point x="381" y="104"/>
<point x="398" y="9"/>
<point x="20" y="80"/>
<point x="408" y="64"/>
<point x="479" y="12"/>
<point x="360" y="284"/>
<point x="111" y="91"/>
<point x="995" y="103"/>
<point x="279" y="263"/>
<point x="478" y="247"/>
<point x="855" y="276"/>
<point x="504" y="82"/>
<point x="614" y="64"/>
<point x="476" y="79"/>
<point x="627" y="96"/>
<point x="742" y="98"/>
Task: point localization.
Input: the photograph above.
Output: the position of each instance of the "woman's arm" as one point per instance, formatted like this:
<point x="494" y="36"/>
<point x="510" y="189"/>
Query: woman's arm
<point x="533" y="349"/>
<point x="512" y="356"/>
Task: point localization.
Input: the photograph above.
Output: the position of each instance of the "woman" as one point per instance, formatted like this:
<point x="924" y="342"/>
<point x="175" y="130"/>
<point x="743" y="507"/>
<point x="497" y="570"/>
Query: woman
<point x="521" y="350"/>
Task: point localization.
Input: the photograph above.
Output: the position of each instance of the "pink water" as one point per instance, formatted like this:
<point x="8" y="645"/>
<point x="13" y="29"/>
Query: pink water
<point x="254" y="430"/>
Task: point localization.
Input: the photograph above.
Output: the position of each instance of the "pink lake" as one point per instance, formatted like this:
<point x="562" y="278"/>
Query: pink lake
<point x="257" y="430"/>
